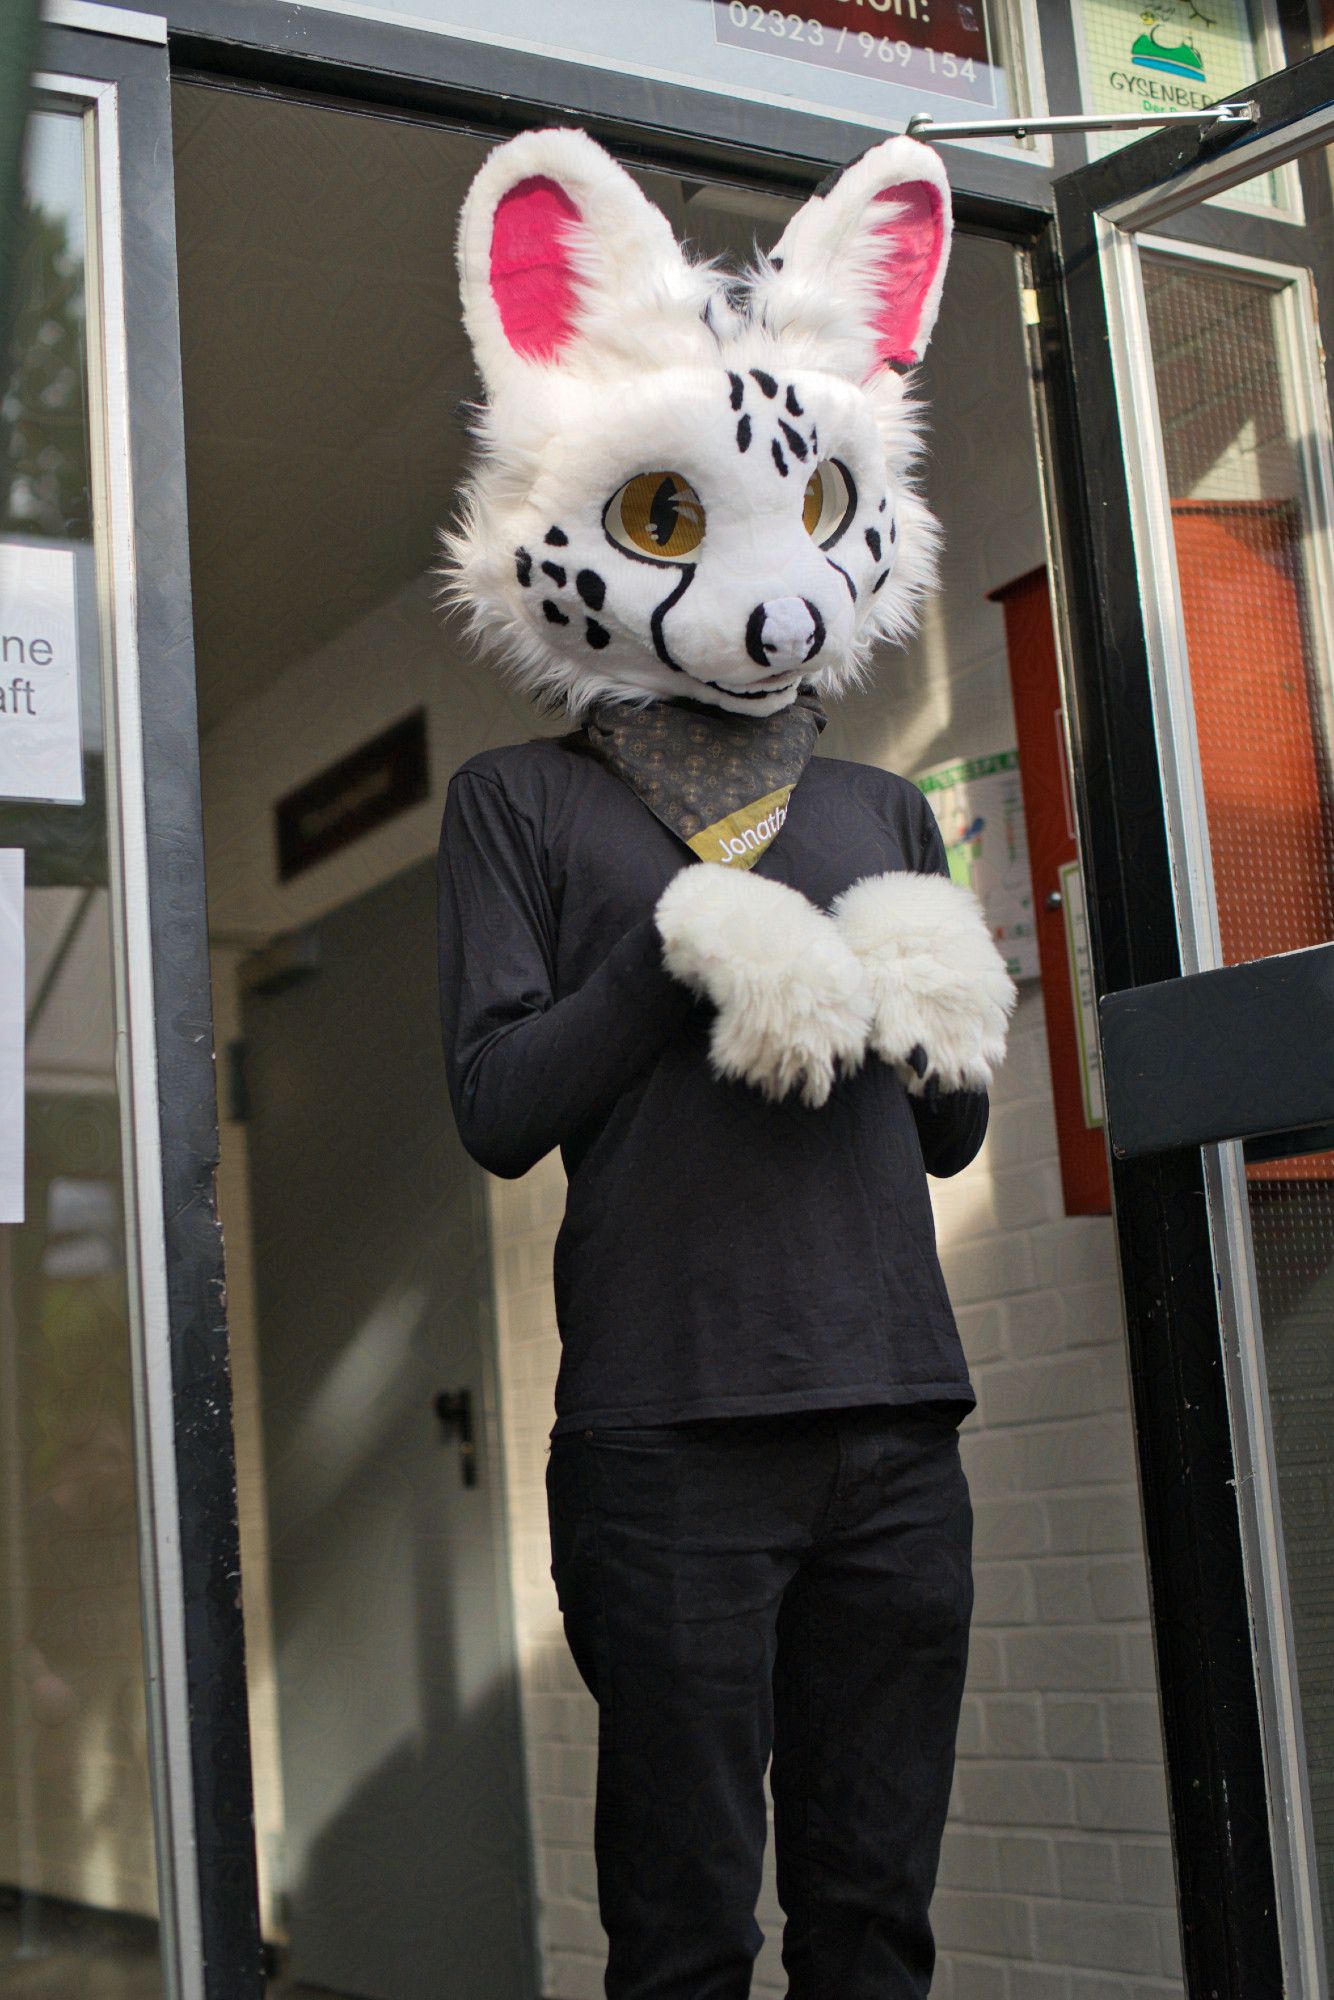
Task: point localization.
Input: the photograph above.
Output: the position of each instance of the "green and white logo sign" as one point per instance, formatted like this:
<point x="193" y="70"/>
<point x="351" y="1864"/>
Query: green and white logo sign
<point x="1147" y="51"/>
<point x="1163" y="55"/>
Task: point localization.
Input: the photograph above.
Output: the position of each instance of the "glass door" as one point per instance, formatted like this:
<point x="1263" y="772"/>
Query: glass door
<point x="1189" y="292"/>
<point x="126" y="1849"/>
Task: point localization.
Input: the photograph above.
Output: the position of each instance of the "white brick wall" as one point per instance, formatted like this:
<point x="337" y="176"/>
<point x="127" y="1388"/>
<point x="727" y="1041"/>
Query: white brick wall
<point x="1056" y="1879"/>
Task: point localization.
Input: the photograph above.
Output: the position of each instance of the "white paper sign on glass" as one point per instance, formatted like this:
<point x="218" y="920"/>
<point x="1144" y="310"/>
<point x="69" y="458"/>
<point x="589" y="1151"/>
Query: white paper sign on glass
<point x="980" y="809"/>
<point x="41" y="751"/>
<point x="12" y="1002"/>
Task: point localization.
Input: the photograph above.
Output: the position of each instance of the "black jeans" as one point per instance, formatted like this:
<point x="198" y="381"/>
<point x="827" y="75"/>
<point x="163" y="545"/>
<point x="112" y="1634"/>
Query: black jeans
<point x="794" y="1585"/>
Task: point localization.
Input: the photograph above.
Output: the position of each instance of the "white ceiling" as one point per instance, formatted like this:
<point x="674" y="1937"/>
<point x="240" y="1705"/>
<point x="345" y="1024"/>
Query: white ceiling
<point x="324" y="361"/>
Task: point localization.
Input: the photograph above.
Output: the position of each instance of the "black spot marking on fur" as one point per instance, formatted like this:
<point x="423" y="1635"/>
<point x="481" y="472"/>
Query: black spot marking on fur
<point x="893" y="533"/>
<point x="738" y="389"/>
<point x="523" y="567"/>
<point x="879" y="580"/>
<point x="883" y="505"/>
<point x="873" y="542"/>
<point x="766" y="382"/>
<point x="556" y="538"/>
<point x="779" y="459"/>
<point x="790" y="403"/>
<point x="852" y="588"/>
<point x="777" y="263"/>
<point x="597" y="635"/>
<point x="795" y="441"/>
<point x="743" y="435"/>
<point x="815" y="441"/>
<point x="554" y="614"/>
<point x="556" y="573"/>
<point x="591" y="588"/>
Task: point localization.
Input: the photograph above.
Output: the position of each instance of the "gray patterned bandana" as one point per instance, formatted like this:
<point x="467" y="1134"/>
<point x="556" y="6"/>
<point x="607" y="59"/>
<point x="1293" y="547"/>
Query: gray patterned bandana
<point x="721" y="782"/>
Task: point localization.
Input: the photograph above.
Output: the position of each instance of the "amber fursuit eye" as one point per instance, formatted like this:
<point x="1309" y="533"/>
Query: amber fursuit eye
<point x="829" y="502"/>
<point x="656" y="514"/>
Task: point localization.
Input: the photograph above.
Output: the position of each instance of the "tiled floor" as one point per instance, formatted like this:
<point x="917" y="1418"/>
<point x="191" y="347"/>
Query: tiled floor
<point x="82" y="1957"/>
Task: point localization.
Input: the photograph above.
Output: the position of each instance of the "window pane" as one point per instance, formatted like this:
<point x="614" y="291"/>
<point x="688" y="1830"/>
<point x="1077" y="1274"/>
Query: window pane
<point x="76" y="1823"/>
<point x="1236" y="354"/>
<point x="1244" y="525"/>
<point x="1292" y="1228"/>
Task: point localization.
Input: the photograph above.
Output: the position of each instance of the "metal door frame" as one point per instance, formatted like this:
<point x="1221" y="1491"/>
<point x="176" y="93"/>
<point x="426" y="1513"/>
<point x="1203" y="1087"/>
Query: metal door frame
<point x="112" y="67"/>
<point x="1235" y="1754"/>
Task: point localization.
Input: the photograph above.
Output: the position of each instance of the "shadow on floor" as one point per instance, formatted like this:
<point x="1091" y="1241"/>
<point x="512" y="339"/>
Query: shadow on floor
<point x="57" y="1951"/>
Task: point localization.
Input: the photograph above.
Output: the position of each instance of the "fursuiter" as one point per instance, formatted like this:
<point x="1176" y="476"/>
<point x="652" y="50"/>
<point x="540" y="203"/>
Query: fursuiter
<point x="734" y="983"/>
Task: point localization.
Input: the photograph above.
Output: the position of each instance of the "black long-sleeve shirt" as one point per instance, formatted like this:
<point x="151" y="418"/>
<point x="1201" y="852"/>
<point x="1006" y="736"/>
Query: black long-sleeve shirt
<point x="720" y="1254"/>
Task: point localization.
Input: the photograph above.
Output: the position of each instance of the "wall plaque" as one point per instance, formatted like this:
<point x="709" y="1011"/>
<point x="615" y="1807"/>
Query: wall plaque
<point x="360" y="792"/>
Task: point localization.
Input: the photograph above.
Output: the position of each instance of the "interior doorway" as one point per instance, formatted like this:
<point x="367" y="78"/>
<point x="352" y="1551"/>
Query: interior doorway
<point x="403" y="1811"/>
<point x="324" y="372"/>
<point x="322" y="382"/>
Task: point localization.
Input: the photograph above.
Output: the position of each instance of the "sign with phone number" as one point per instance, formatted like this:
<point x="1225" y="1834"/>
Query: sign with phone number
<point x="941" y="46"/>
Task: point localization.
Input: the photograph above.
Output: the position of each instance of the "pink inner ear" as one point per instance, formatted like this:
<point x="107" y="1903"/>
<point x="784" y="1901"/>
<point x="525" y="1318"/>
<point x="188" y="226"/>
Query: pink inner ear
<point x="914" y="239"/>
<point x="532" y="279"/>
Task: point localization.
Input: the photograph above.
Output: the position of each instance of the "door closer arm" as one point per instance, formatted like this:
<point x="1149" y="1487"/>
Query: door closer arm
<point x="1217" y="121"/>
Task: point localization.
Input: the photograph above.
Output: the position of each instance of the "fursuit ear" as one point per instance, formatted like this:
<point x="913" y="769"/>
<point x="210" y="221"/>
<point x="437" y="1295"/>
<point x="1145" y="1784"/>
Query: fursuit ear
<point x="859" y="268"/>
<point x="559" y="252"/>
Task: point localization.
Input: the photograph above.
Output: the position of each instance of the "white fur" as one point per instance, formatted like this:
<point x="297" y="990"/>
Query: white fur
<point x="791" y="998"/>
<point x="819" y="284"/>
<point x="638" y="295"/>
<point x="934" y="974"/>
<point x="642" y="384"/>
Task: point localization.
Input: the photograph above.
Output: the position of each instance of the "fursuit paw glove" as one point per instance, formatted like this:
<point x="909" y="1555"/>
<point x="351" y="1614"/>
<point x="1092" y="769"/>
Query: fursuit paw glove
<point x="940" y="995"/>
<point x="792" y="1000"/>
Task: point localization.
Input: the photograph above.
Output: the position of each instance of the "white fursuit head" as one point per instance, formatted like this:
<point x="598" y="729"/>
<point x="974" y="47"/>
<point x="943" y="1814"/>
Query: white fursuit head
<point x="690" y="483"/>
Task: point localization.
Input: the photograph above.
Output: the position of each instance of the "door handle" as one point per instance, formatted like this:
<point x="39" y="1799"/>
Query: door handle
<point x="453" y="1407"/>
